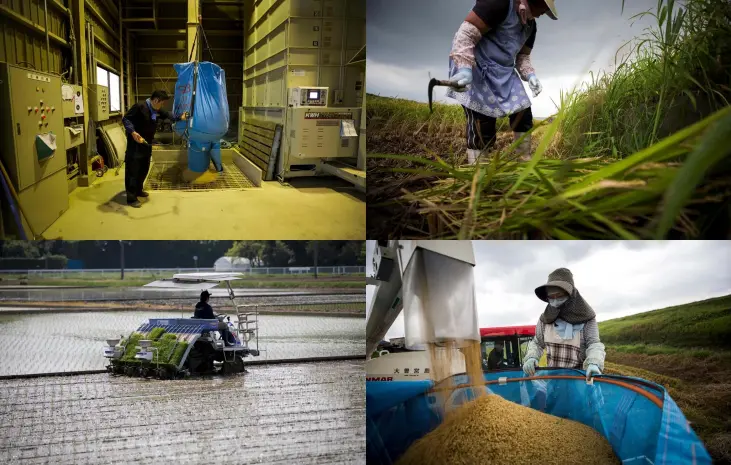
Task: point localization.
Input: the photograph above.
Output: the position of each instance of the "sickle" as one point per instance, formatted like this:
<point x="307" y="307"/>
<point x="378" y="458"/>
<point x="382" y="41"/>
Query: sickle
<point x="437" y="82"/>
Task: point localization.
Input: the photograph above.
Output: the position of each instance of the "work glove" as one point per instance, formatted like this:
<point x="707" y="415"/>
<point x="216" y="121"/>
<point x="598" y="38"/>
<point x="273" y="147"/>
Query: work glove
<point x="138" y="138"/>
<point x="592" y="370"/>
<point x="529" y="367"/>
<point x="462" y="79"/>
<point x="535" y="85"/>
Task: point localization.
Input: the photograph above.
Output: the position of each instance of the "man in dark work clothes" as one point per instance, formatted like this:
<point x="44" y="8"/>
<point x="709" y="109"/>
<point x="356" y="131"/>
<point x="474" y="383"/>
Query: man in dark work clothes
<point x="140" y="123"/>
<point x="203" y="310"/>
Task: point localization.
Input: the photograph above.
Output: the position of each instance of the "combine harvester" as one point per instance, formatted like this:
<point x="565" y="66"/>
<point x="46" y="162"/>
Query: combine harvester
<point x="433" y="282"/>
<point x="169" y="348"/>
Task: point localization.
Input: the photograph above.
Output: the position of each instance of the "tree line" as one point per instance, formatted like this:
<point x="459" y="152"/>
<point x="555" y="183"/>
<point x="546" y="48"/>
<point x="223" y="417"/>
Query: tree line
<point x="189" y="254"/>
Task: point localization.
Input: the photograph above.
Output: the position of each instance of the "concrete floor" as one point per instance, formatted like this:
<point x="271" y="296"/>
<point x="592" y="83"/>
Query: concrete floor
<point x="314" y="208"/>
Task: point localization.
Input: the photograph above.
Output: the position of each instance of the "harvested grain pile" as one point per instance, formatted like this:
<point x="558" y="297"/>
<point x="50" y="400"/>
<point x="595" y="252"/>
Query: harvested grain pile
<point x="492" y="430"/>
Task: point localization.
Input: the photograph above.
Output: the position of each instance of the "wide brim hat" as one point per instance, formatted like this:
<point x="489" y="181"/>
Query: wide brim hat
<point x="562" y="278"/>
<point x="552" y="11"/>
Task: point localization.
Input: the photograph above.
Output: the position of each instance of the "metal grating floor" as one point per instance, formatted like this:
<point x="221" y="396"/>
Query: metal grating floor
<point x="168" y="176"/>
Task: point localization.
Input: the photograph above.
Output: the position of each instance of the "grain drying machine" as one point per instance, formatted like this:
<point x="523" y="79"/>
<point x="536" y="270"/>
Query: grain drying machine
<point x="177" y="347"/>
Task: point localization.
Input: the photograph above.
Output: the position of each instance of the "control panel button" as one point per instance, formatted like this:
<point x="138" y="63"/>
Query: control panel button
<point x="36" y="109"/>
<point x="30" y="109"/>
<point x="43" y="116"/>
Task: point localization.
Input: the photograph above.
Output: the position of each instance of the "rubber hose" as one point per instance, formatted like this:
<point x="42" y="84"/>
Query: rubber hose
<point x="17" y="200"/>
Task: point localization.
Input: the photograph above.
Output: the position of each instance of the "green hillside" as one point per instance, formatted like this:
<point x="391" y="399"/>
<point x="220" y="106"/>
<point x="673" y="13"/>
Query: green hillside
<point x="704" y="324"/>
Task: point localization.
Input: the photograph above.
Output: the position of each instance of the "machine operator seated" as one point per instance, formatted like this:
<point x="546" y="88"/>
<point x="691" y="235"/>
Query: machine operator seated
<point x="204" y="311"/>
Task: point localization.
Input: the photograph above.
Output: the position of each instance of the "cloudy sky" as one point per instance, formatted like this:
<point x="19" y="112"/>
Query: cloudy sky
<point x="409" y="39"/>
<point x="617" y="278"/>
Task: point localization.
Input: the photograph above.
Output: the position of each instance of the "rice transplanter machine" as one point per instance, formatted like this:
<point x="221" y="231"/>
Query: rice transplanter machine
<point x="169" y="348"/>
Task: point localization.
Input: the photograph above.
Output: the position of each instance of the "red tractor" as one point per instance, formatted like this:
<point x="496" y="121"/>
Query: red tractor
<point x="503" y="348"/>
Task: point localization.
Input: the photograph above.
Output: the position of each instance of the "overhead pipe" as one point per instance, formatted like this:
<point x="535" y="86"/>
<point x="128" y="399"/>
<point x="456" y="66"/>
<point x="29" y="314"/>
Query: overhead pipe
<point x="93" y="53"/>
<point x="48" y="40"/>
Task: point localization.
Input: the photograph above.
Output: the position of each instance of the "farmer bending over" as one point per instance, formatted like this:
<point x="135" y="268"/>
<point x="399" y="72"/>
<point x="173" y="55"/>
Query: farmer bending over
<point x="567" y="329"/>
<point x="493" y="42"/>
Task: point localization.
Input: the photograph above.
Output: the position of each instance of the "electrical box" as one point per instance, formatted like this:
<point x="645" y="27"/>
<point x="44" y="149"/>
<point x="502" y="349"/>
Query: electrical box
<point x="73" y="100"/>
<point x="74" y="135"/>
<point x="32" y="142"/>
<point x="308" y="97"/>
<point x="98" y="102"/>
<point x="316" y="133"/>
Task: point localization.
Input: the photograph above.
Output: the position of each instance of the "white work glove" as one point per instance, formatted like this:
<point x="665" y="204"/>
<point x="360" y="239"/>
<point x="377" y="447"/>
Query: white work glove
<point x="462" y="79"/>
<point x="535" y="85"/>
<point x="592" y="370"/>
<point x="529" y="367"/>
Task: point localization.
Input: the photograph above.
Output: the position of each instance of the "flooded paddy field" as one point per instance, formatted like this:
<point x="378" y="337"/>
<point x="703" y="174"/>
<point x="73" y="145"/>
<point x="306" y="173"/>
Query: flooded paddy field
<point x="277" y="414"/>
<point x="48" y="343"/>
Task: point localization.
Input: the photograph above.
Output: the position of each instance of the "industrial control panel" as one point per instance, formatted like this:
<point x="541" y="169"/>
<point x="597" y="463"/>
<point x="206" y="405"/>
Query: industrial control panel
<point x="308" y="96"/>
<point x="98" y="102"/>
<point x="316" y="133"/>
<point x="32" y="141"/>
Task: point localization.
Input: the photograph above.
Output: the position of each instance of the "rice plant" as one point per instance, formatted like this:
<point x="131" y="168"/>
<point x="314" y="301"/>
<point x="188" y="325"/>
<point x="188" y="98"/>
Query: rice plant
<point x="640" y="153"/>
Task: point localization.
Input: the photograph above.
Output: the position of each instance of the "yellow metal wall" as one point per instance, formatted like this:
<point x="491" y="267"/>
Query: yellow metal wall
<point x="22" y="33"/>
<point x="291" y="43"/>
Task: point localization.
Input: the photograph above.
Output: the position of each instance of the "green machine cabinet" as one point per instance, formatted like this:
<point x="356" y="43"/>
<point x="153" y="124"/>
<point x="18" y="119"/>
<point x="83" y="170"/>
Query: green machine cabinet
<point x="32" y="106"/>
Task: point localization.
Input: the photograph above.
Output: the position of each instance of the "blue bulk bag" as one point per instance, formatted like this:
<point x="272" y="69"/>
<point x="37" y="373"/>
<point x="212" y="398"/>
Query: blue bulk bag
<point x="208" y="108"/>
<point x="638" y="418"/>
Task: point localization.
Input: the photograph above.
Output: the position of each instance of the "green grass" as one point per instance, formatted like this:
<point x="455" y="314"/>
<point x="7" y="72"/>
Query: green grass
<point x="638" y="154"/>
<point x="699" y="324"/>
<point x="655" y="349"/>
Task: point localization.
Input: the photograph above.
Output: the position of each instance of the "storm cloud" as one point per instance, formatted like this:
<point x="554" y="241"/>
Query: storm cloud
<point x="617" y="278"/>
<point x="408" y="40"/>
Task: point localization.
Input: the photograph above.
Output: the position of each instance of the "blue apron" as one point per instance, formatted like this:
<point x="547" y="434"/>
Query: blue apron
<point x="496" y="88"/>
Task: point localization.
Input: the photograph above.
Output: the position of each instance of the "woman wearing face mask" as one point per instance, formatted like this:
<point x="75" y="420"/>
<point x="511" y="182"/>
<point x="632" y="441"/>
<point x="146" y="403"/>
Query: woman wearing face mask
<point x="567" y="329"/>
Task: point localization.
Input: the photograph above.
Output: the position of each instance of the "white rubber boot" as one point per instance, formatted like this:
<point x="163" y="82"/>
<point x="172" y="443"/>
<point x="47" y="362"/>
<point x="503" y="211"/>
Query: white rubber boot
<point x="473" y="156"/>
<point x="523" y="149"/>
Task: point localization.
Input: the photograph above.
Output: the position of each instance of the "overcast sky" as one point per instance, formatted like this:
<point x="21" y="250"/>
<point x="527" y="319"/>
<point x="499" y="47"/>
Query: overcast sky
<point x="409" y="39"/>
<point x="617" y="278"/>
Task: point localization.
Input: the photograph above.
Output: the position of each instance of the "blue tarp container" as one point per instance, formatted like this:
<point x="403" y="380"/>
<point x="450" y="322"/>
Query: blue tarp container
<point x="209" y="109"/>
<point x="638" y="418"/>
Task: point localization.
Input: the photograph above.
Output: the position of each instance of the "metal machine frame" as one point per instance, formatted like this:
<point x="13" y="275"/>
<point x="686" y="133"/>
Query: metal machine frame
<point x="390" y="260"/>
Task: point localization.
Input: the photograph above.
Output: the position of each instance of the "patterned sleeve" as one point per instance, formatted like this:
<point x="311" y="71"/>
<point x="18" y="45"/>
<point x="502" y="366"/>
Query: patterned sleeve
<point x="536" y="346"/>
<point x="539" y="334"/>
<point x="591" y="332"/>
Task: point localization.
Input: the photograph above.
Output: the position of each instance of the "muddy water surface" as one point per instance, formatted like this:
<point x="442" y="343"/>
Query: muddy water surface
<point x="281" y="414"/>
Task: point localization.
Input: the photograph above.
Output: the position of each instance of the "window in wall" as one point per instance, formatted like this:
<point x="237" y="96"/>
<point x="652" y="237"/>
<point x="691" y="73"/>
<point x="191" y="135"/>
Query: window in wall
<point x="110" y="80"/>
<point x="113" y="92"/>
<point x="102" y="76"/>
